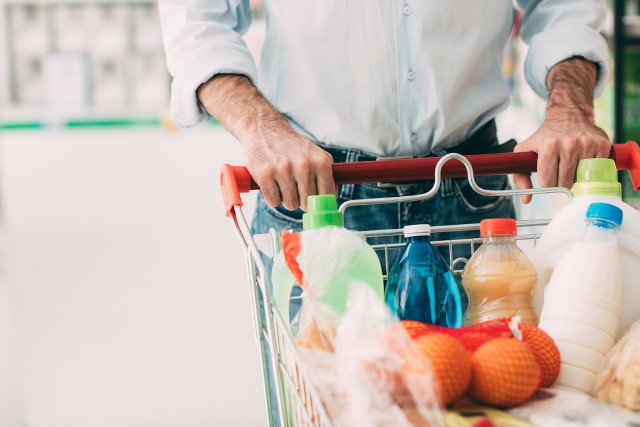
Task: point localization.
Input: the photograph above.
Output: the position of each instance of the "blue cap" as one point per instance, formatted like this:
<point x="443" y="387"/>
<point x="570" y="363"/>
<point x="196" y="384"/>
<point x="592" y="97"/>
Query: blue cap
<point x="605" y="211"/>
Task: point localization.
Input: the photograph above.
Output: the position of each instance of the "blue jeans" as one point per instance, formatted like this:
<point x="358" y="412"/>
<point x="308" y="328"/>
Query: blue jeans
<point x="455" y="203"/>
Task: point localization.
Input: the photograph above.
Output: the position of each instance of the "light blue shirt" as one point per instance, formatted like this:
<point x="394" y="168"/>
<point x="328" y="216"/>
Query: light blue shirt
<point x="388" y="77"/>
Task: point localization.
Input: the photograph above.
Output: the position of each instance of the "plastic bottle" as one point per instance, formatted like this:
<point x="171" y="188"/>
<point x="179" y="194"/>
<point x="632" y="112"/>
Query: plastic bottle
<point x="499" y="278"/>
<point x="597" y="181"/>
<point x="364" y="265"/>
<point x="421" y="286"/>
<point x="583" y="299"/>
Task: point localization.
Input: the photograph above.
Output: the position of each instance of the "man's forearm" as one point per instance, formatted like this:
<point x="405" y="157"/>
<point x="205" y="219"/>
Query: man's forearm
<point x="568" y="133"/>
<point x="240" y="107"/>
<point x="287" y="166"/>
<point x="571" y="84"/>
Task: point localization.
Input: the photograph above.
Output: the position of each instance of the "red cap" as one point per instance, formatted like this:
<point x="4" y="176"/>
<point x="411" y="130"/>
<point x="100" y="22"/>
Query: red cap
<point x="498" y="227"/>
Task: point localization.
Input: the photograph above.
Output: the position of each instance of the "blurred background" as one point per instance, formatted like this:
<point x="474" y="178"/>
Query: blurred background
<point x="123" y="294"/>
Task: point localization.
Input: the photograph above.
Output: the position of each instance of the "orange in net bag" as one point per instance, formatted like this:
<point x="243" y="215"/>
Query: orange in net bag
<point x="450" y="365"/>
<point x="505" y="373"/>
<point x="473" y="337"/>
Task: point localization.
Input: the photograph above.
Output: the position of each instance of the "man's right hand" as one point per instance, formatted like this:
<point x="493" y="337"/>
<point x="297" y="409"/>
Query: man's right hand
<point x="287" y="166"/>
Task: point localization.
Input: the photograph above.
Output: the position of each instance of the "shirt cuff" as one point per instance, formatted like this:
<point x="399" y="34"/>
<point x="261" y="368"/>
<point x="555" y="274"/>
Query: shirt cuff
<point x="555" y="45"/>
<point x="205" y="63"/>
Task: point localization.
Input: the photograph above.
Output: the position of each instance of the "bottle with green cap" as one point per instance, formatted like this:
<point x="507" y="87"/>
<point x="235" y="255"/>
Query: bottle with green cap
<point x="596" y="182"/>
<point x="362" y="264"/>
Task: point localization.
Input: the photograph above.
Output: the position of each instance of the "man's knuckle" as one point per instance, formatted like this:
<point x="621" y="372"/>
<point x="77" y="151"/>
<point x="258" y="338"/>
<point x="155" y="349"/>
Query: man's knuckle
<point x="570" y="144"/>
<point x="551" y="143"/>
<point x="267" y="171"/>
<point x="284" y="166"/>
<point x="320" y="160"/>
<point x="303" y="164"/>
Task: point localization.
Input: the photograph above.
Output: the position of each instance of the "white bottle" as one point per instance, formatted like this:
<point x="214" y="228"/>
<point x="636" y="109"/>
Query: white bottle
<point x="597" y="181"/>
<point x="583" y="299"/>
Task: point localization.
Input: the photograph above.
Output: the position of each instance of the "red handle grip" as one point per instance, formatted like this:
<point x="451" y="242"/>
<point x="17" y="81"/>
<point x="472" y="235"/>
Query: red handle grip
<point x="236" y="179"/>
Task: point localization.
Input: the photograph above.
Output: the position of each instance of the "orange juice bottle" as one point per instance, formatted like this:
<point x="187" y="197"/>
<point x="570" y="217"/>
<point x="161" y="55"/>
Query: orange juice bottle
<point x="499" y="278"/>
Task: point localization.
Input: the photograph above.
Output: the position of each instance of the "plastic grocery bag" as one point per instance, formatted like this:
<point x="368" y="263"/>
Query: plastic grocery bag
<point x="376" y="376"/>
<point x="324" y="262"/>
<point x="619" y="379"/>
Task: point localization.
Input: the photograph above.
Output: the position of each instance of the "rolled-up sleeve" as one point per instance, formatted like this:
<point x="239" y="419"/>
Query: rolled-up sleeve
<point x="557" y="30"/>
<point x="202" y="38"/>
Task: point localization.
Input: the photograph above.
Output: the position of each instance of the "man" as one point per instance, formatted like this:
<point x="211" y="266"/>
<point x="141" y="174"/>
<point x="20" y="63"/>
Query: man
<point x="369" y="78"/>
<point x="351" y="80"/>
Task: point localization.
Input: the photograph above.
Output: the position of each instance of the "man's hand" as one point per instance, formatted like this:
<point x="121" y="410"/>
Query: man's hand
<point x="568" y="133"/>
<point x="287" y="166"/>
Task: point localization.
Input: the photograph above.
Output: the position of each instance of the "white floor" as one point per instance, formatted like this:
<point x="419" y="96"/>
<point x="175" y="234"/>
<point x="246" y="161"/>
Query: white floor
<point x="123" y="299"/>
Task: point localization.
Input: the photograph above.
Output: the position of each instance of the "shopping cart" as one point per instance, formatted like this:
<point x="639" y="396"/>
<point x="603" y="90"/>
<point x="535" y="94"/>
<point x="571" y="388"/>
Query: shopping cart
<point x="296" y="398"/>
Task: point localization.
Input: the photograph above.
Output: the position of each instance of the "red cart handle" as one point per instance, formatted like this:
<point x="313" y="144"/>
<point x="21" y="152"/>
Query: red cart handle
<point x="236" y="179"/>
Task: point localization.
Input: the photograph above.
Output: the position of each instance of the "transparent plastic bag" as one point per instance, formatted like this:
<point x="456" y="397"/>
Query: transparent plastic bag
<point x="324" y="261"/>
<point x="619" y="378"/>
<point x="376" y="376"/>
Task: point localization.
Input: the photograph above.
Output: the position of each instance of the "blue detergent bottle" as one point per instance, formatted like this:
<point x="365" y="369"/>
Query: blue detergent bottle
<point x="420" y="286"/>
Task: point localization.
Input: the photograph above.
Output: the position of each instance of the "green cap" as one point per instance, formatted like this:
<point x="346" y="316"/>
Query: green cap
<point x="597" y="177"/>
<point x="322" y="211"/>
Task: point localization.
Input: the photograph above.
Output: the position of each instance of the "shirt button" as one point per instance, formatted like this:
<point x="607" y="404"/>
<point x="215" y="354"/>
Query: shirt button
<point x="407" y="10"/>
<point x="411" y="75"/>
<point x="413" y="138"/>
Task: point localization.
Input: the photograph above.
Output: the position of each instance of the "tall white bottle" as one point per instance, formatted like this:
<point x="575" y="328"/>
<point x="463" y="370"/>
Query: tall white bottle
<point x="583" y="300"/>
<point x="597" y="181"/>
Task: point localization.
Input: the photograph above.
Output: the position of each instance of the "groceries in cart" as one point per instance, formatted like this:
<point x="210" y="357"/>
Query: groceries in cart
<point x="421" y="286"/>
<point x="619" y="380"/>
<point x="349" y="361"/>
<point x="583" y="299"/>
<point x="376" y="375"/>
<point x="324" y="259"/>
<point x="499" y="278"/>
<point x="597" y="181"/>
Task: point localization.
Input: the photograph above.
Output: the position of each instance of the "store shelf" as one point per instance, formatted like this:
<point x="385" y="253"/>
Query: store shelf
<point x="101" y="63"/>
<point x="73" y="2"/>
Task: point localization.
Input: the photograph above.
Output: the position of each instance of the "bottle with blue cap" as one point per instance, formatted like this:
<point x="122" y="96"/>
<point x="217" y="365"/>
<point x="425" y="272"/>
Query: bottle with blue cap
<point x="583" y="299"/>
<point x="596" y="182"/>
<point x="421" y="287"/>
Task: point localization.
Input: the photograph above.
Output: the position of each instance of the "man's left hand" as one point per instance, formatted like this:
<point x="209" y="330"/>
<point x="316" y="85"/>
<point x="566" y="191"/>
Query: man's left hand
<point x="568" y="133"/>
<point x="560" y="145"/>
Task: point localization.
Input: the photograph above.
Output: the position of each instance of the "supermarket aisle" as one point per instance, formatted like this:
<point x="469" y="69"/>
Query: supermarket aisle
<point x="125" y="283"/>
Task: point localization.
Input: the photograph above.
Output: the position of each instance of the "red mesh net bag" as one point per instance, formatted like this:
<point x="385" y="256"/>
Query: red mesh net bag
<point x="472" y="336"/>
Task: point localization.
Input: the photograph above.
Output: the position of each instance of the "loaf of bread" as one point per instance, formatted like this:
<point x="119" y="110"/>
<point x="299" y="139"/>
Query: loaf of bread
<point x="619" y="380"/>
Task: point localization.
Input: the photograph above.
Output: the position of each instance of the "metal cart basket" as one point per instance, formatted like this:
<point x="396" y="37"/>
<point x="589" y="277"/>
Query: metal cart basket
<point x="295" y="396"/>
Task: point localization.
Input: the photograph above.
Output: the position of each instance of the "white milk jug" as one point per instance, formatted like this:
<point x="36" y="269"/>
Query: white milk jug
<point x="597" y="181"/>
<point x="583" y="299"/>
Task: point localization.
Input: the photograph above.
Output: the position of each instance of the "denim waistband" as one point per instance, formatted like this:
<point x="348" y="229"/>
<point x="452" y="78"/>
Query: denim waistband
<point x="482" y="141"/>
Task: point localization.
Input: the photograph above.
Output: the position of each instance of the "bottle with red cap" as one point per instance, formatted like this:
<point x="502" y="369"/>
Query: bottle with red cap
<point x="499" y="278"/>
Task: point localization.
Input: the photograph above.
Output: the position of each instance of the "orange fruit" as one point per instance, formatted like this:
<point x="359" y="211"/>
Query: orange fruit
<point x="505" y="373"/>
<point x="414" y="328"/>
<point x="545" y="351"/>
<point x="450" y="365"/>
